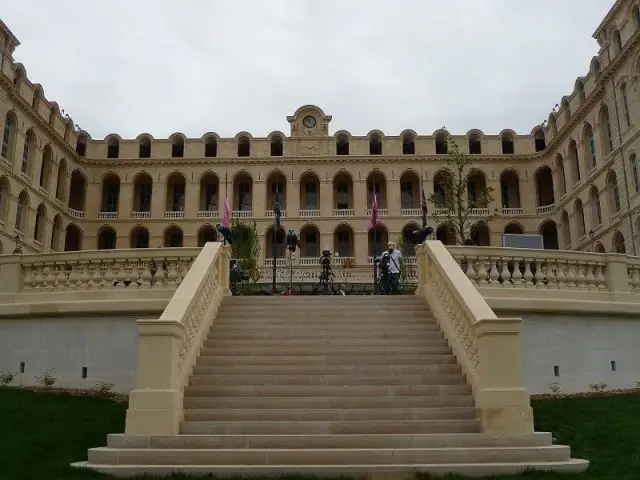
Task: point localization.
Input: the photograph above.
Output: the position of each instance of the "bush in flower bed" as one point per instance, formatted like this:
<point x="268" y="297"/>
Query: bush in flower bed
<point x="601" y="393"/>
<point x="76" y="392"/>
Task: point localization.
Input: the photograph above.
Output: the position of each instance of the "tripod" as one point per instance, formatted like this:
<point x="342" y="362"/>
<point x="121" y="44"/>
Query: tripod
<point x="381" y="284"/>
<point x="325" y="283"/>
<point x="290" y="290"/>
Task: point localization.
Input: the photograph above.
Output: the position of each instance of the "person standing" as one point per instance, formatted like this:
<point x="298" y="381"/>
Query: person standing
<point x="395" y="257"/>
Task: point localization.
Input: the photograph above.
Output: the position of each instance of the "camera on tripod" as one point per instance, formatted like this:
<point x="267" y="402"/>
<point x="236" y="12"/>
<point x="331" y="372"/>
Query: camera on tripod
<point x="292" y="240"/>
<point x="325" y="258"/>
<point x="226" y="232"/>
<point x="236" y="275"/>
<point x="420" y="235"/>
<point x="383" y="262"/>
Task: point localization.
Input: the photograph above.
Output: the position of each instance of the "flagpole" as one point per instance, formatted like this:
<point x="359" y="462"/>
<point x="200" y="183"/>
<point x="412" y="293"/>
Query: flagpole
<point x="226" y="190"/>
<point x="374" y="233"/>
<point x="273" y="240"/>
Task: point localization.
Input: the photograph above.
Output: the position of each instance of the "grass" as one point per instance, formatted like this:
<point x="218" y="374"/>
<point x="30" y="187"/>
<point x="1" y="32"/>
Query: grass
<point x="42" y="433"/>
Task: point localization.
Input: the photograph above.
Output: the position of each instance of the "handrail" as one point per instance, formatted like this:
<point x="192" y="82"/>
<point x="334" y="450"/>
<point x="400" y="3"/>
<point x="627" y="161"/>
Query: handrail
<point x="169" y="346"/>
<point x="487" y="347"/>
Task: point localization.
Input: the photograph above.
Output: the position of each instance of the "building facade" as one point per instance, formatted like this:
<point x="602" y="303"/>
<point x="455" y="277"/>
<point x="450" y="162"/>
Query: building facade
<point x="574" y="179"/>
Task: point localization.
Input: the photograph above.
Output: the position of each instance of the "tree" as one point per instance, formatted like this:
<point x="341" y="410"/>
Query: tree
<point x="246" y="248"/>
<point x="452" y="202"/>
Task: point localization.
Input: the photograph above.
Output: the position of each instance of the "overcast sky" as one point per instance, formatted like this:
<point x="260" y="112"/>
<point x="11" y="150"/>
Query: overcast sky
<point x="161" y="66"/>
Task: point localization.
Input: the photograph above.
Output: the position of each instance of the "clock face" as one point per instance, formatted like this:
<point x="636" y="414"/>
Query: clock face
<point x="309" y="121"/>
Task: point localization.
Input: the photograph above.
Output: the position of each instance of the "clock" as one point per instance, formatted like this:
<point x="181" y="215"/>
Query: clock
<point x="309" y="121"/>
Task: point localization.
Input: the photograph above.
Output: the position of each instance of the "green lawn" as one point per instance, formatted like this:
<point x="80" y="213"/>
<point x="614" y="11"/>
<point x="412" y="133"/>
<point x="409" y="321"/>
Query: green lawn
<point x="42" y="433"/>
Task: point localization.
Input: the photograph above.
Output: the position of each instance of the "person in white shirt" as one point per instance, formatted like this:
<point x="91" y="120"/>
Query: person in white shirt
<point x="395" y="258"/>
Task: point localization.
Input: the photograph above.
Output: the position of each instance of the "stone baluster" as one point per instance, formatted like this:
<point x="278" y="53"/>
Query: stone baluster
<point x="549" y="274"/>
<point x="539" y="275"/>
<point x="51" y="277"/>
<point x="516" y="278"/>
<point x="561" y="274"/>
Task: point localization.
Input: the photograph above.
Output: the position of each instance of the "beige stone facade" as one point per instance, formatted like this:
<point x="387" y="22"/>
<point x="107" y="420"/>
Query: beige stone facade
<point x="573" y="179"/>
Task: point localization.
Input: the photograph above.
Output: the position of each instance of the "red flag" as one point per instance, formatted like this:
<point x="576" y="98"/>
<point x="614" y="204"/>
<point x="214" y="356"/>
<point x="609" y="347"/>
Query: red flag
<point x="374" y="210"/>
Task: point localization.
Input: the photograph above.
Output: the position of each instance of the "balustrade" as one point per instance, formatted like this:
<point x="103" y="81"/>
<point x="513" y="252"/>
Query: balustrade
<point x="96" y="270"/>
<point x="169" y="345"/>
<point x="487" y="348"/>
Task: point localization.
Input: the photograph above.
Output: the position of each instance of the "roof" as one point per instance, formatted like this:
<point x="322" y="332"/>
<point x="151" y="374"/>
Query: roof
<point x="612" y="11"/>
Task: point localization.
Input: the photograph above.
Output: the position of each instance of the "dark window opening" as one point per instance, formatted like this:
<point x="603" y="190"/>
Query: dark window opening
<point x="145" y="149"/>
<point x="177" y="149"/>
<point x="113" y="150"/>
<point x="408" y="146"/>
<point x="81" y="147"/>
<point x="375" y="146"/>
<point x="211" y="149"/>
<point x="507" y="146"/>
<point x="475" y="147"/>
<point x="342" y="146"/>
<point x="244" y="147"/>
<point x="276" y="147"/>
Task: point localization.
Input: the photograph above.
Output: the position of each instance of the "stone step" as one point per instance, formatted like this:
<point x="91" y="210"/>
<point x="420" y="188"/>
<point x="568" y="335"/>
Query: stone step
<point x="325" y="300"/>
<point x="328" y="414"/>
<point x="325" y="390"/>
<point x="383" y="369"/>
<point x="320" y="316"/>
<point x="372" y="470"/>
<point x="346" y="352"/>
<point x="323" y="343"/>
<point x="259" y="330"/>
<point x="323" y="456"/>
<point x="253" y="427"/>
<point x="425" y="440"/>
<point x="323" y="308"/>
<point x="326" y="380"/>
<point x="415" y="401"/>
<point x="341" y="359"/>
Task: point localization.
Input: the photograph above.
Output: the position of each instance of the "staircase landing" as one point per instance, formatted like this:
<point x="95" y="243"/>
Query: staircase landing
<point x="329" y="386"/>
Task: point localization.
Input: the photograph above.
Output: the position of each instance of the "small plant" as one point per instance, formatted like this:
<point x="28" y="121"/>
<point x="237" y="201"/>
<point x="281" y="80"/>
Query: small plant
<point x="7" y="378"/>
<point x="103" y="388"/>
<point x="598" y="387"/>
<point x="638" y="383"/>
<point x="47" y="379"/>
<point x="554" y="387"/>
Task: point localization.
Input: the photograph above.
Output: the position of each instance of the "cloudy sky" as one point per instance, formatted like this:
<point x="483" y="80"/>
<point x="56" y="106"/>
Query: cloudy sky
<point x="160" y="66"/>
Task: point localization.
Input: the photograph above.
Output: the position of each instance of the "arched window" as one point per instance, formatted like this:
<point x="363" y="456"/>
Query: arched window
<point x="605" y="130"/>
<point x="625" y="104"/>
<point x="633" y="161"/>
<point x="28" y="153"/>
<point x="590" y="147"/>
<point x="617" y="41"/>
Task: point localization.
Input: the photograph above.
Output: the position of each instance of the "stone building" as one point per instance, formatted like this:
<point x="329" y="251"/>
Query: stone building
<point x="574" y="179"/>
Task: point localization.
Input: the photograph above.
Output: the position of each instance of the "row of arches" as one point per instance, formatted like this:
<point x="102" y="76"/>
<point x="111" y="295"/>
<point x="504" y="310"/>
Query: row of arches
<point x="585" y="149"/>
<point x="309" y="183"/>
<point x="343" y="140"/>
<point x="309" y="191"/>
<point x="309" y="238"/>
<point x="343" y="236"/>
<point x="8" y="150"/>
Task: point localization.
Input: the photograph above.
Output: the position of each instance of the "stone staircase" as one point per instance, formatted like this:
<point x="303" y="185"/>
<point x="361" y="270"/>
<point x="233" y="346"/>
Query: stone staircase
<point x="328" y="385"/>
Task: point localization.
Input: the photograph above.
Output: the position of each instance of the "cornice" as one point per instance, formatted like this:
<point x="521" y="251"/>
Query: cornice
<point x="596" y="94"/>
<point x="607" y="18"/>
<point x="70" y="152"/>
<point x="576" y="118"/>
<point x="39" y="120"/>
<point x="337" y="160"/>
<point x="621" y="57"/>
